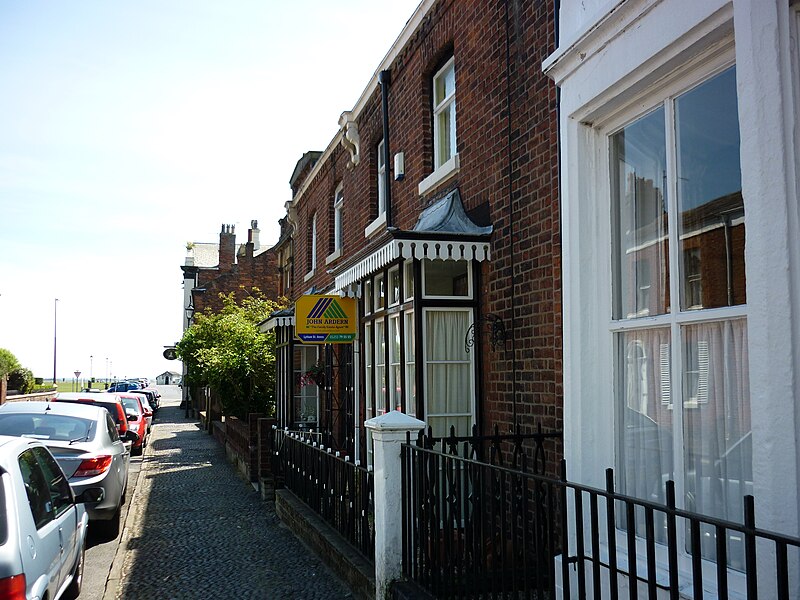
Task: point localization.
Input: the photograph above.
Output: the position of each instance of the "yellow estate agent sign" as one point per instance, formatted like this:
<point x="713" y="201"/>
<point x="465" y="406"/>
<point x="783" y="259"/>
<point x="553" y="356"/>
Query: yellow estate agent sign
<point x="325" y="319"/>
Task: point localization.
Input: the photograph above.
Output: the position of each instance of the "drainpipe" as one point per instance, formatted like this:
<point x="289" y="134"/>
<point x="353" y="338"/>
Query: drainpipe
<point x="511" y="234"/>
<point x="385" y="79"/>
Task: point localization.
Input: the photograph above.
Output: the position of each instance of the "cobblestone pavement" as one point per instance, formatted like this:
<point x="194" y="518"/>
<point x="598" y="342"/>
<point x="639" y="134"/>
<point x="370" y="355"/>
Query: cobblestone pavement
<point x="198" y="530"/>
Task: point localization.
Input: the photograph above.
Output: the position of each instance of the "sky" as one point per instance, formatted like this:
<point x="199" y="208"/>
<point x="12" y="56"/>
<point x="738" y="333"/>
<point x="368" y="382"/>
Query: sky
<point x="128" y="129"/>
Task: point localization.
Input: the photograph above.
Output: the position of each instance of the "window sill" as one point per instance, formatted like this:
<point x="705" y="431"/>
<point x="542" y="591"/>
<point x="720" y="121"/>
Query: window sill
<point x="333" y="256"/>
<point x="308" y="276"/>
<point x="375" y="225"/>
<point x="440" y="175"/>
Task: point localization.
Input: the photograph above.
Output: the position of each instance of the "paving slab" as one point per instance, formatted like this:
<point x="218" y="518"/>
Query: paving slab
<point x="196" y="529"/>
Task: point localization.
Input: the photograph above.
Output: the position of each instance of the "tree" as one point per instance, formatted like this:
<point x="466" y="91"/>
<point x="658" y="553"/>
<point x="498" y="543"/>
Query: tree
<point x="226" y="352"/>
<point x="21" y="379"/>
<point x="8" y="362"/>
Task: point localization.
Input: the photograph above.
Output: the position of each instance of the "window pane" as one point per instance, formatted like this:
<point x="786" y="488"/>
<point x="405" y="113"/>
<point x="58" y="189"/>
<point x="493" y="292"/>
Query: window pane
<point x="644" y="401"/>
<point x="411" y="381"/>
<point x="60" y="493"/>
<point x="381" y="180"/>
<point x="394" y="286"/>
<point x="444" y="84"/>
<point x="368" y="366"/>
<point x="36" y="489"/>
<point x="718" y="446"/>
<point x="638" y="179"/>
<point x="394" y="362"/>
<point x="408" y="283"/>
<point x="448" y="372"/>
<point x="710" y="195"/>
<point x="306" y="388"/>
<point x="446" y="278"/>
<point x="380" y="293"/>
<point x="445" y="133"/>
<point x="380" y="368"/>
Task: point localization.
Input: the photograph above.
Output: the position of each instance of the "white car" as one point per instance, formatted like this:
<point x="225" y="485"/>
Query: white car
<point x="83" y="439"/>
<point x="42" y="524"/>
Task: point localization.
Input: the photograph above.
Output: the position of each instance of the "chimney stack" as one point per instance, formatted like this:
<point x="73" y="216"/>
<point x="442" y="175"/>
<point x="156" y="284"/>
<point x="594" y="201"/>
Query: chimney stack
<point x="253" y="235"/>
<point x="227" y="247"/>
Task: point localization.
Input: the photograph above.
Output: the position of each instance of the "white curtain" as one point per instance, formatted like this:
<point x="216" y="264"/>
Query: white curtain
<point x="449" y="372"/>
<point x="645" y="414"/>
<point x="718" y="448"/>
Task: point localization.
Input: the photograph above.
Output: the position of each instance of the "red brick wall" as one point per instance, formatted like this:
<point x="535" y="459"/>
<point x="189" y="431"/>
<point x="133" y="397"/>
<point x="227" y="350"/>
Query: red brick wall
<point x="249" y="272"/>
<point x="507" y="145"/>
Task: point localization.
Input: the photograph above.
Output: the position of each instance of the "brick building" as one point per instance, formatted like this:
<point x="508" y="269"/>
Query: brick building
<point x="436" y="205"/>
<point x="214" y="269"/>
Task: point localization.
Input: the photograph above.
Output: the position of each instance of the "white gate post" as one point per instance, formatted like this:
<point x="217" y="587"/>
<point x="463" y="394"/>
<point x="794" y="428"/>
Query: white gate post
<point x="388" y="432"/>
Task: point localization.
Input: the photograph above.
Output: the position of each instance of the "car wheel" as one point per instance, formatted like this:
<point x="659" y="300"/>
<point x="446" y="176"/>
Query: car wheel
<point x="74" y="589"/>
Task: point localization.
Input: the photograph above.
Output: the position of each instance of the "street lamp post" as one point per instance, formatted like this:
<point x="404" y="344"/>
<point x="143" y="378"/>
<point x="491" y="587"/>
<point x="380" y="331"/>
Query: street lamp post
<point x="55" y="337"/>
<point x="187" y="401"/>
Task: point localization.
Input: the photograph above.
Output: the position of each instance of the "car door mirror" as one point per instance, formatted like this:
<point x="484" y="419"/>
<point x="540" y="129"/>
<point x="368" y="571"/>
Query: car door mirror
<point x="131" y="436"/>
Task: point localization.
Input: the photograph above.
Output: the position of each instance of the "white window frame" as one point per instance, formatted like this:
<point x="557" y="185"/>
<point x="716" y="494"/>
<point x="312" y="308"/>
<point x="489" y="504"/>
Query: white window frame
<point x="409" y="343"/>
<point x="369" y="386"/>
<point x="380" y="171"/>
<point x="313" y="268"/>
<point x="394" y="366"/>
<point x="444" y="166"/>
<point x="425" y="362"/>
<point x="441" y="105"/>
<point x="663" y="96"/>
<point x="338" y="224"/>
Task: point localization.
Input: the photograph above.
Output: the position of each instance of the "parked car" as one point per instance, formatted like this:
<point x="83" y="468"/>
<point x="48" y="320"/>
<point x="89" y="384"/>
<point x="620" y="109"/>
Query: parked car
<point x="42" y="522"/>
<point x="152" y="397"/>
<point x="123" y="386"/>
<point x="85" y="442"/>
<point x="113" y="404"/>
<point x="137" y="420"/>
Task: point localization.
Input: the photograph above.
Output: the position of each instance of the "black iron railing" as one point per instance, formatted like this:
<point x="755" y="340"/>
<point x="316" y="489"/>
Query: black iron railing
<point x="476" y="530"/>
<point x="336" y="488"/>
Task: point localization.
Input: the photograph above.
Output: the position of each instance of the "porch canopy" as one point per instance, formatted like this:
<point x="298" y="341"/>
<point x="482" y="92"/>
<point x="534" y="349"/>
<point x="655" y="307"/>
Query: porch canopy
<point x="443" y="231"/>
<point x="279" y="318"/>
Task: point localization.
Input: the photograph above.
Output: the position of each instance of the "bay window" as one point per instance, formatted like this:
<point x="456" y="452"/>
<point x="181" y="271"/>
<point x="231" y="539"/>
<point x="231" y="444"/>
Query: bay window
<point x="679" y="313"/>
<point x="434" y="381"/>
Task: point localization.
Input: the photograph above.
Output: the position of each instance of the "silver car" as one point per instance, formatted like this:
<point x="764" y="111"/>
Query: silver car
<point x="42" y="524"/>
<point x="84" y="440"/>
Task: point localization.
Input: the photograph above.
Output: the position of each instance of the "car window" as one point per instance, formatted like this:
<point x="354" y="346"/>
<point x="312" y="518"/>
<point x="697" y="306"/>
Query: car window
<point x="36" y="489"/>
<point x="112" y="429"/>
<point x="63" y="428"/>
<point x="131" y="404"/>
<point x="57" y="484"/>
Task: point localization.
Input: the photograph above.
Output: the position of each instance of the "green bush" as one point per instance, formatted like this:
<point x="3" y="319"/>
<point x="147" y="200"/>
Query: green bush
<point x="21" y="379"/>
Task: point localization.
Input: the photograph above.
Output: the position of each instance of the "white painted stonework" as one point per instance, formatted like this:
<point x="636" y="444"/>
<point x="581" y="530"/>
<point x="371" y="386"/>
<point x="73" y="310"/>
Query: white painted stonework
<point x="614" y="58"/>
<point x="388" y="433"/>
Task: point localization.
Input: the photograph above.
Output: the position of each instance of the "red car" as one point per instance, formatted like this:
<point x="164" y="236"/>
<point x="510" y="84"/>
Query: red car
<point x="111" y="402"/>
<point x="133" y="408"/>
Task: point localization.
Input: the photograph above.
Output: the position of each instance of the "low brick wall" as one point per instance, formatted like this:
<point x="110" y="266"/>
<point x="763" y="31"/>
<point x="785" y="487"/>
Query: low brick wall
<point x="338" y="555"/>
<point x="37" y="397"/>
